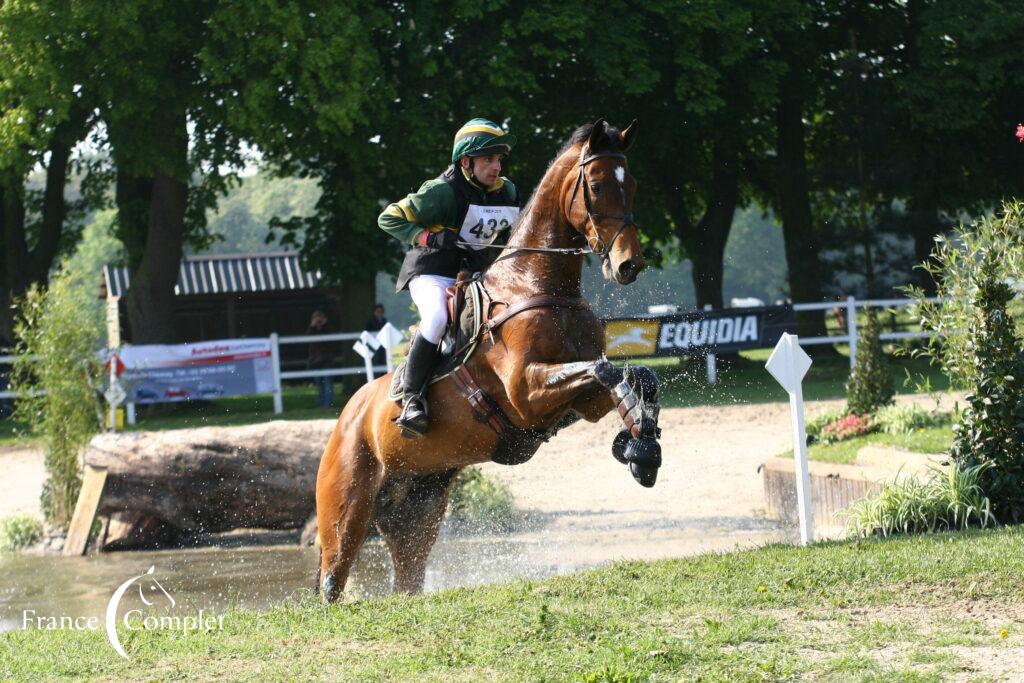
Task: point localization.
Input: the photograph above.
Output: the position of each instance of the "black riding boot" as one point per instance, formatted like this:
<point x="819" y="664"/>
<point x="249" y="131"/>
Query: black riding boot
<point x="422" y="358"/>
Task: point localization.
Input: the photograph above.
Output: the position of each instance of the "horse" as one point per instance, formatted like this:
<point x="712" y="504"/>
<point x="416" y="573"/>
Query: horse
<point x="539" y="365"/>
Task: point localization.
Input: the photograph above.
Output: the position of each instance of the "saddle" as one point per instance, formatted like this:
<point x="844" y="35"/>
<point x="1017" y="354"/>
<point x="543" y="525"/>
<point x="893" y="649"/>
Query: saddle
<point x="467" y="312"/>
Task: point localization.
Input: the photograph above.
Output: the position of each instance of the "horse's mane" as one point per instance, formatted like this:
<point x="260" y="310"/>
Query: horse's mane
<point x="610" y="141"/>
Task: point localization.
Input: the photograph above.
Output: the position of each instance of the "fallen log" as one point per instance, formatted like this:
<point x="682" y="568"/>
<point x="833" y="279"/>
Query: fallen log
<point x="187" y="482"/>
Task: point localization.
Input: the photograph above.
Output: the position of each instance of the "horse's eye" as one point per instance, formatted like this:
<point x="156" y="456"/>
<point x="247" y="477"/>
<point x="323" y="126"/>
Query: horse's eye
<point x="595" y="188"/>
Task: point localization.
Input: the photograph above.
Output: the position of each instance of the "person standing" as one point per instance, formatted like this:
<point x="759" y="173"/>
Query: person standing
<point x="321" y="356"/>
<point x="450" y="225"/>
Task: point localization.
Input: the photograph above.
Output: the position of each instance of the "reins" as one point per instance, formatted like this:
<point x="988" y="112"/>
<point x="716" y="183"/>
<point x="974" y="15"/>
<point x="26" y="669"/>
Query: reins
<point x="595" y="245"/>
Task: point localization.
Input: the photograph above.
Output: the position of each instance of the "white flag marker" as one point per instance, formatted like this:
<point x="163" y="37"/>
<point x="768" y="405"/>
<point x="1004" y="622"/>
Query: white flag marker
<point x="390" y="337"/>
<point x="366" y="346"/>
<point x="788" y="364"/>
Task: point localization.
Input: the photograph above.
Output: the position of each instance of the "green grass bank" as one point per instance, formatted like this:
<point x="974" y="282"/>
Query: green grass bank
<point x="913" y="608"/>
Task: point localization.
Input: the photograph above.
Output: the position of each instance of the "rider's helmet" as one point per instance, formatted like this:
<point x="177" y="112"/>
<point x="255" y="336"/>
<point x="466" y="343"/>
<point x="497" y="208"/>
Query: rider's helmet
<point x="479" y="137"/>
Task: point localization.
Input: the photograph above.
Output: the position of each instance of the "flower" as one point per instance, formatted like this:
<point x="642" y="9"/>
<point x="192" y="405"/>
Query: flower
<point x="761" y="589"/>
<point x="1004" y="633"/>
<point x="1020" y="132"/>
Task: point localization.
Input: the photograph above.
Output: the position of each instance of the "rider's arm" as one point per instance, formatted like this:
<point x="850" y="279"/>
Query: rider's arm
<point x="431" y="208"/>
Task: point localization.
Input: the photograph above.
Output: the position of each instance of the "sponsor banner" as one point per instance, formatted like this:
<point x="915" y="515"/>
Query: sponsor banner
<point x="722" y="331"/>
<point x="183" y="372"/>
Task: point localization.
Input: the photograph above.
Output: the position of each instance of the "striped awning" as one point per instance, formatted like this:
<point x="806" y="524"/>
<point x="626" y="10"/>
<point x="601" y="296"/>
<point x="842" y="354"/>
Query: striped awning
<point x="226" y="274"/>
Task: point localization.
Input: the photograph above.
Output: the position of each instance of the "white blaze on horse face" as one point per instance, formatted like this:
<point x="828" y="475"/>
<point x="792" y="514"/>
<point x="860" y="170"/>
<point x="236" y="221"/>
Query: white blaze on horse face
<point x="620" y="175"/>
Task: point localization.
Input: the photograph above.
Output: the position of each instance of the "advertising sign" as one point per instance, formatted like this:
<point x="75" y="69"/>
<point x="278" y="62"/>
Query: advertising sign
<point x="207" y="370"/>
<point x="722" y="331"/>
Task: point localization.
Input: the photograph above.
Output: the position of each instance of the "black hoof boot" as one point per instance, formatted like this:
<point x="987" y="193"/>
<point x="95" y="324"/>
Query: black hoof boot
<point x="413" y="419"/>
<point x="619" y="446"/>
<point x="644" y="382"/>
<point x="644" y="451"/>
<point x="645" y="476"/>
<point x="644" y="457"/>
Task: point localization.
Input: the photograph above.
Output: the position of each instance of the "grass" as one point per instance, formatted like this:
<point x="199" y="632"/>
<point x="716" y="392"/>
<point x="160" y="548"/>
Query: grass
<point x="747" y="381"/>
<point x="915" y="608"/>
<point x="924" y="440"/>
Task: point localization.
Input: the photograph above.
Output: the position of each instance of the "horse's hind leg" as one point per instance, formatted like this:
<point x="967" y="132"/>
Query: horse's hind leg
<point x="346" y="487"/>
<point x="408" y="516"/>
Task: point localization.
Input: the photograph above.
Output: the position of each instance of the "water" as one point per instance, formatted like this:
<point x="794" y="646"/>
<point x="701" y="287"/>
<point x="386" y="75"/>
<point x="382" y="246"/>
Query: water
<point x="253" y="577"/>
<point x="258" y="576"/>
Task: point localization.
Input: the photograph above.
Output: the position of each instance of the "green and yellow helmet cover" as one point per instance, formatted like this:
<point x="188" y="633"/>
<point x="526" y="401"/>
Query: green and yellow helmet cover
<point x="481" y="136"/>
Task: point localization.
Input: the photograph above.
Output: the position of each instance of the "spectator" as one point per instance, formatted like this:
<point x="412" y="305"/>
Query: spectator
<point x="321" y="356"/>
<point x="375" y="324"/>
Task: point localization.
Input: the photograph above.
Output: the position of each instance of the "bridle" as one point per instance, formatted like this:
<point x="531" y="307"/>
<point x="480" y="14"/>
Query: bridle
<point x="595" y="243"/>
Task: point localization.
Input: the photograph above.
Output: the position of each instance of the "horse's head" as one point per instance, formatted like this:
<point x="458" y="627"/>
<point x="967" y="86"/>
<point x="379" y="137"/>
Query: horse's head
<point x="599" y="199"/>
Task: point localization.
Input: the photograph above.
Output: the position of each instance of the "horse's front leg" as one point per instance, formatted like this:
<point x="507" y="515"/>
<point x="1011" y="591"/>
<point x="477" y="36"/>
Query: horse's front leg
<point x="592" y="388"/>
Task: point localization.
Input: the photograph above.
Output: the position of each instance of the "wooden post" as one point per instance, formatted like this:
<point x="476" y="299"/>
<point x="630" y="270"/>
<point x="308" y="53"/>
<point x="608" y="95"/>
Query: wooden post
<point x="85" y="510"/>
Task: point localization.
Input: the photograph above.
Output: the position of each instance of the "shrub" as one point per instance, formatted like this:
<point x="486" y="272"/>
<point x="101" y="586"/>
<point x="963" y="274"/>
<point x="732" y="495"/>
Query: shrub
<point x="818" y="422"/>
<point x="19" y="531"/>
<point x="954" y="265"/>
<point x="904" y="419"/>
<point x="847" y="428"/>
<point x="478" y="500"/>
<point x="870" y="385"/>
<point x="945" y="500"/>
<point x="991" y="428"/>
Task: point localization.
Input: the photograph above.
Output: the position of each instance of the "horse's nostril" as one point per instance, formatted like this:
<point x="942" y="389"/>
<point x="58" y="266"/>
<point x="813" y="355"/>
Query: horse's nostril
<point x="627" y="269"/>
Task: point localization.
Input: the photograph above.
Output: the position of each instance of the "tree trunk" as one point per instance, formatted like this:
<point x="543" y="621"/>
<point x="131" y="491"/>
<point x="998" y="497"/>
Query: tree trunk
<point x="801" y="240"/>
<point x="163" y="487"/>
<point x="150" y="301"/>
<point x="705" y="241"/>
<point x="23" y="267"/>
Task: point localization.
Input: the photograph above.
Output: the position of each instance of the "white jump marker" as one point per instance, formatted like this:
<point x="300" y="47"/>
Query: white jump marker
<point x="788" y="364"/>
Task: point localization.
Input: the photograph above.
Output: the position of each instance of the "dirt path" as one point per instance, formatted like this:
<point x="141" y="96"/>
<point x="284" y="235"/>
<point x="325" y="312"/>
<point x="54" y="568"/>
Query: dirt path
<point x="709" y="495"/>
<point x="22" y="481"/>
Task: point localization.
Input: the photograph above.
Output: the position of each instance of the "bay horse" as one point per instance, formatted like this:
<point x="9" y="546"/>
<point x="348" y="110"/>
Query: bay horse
<point x="539" y="366"/>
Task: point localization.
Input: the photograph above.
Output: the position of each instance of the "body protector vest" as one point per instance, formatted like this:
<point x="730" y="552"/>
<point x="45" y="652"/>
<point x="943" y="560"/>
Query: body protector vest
<point x="482" y="219"/>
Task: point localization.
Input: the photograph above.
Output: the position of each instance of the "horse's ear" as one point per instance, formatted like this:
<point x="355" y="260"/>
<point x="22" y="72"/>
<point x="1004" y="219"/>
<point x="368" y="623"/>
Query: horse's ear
<point x="629" y="135"/>
<point x="599" y="131"/>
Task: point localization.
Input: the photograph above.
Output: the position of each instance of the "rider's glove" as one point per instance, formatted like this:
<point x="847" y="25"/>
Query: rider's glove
<point x="443" y="239"/>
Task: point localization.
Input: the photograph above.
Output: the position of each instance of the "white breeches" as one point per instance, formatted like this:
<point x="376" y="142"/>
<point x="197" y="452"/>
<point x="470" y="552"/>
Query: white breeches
<point x="428" y="293"/>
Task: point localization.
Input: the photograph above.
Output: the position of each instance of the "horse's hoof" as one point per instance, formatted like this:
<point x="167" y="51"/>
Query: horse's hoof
<point x="619" y="445"/>
<point x="645" y="476"/>
<point x="644" y="452"/>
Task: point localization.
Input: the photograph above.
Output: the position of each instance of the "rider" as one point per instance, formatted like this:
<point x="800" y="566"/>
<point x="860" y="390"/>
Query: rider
<point x="449" y="224"/>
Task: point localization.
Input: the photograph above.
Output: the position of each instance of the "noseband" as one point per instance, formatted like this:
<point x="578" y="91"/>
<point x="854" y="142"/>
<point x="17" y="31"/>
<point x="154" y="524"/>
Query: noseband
<point x="596" y="244"/>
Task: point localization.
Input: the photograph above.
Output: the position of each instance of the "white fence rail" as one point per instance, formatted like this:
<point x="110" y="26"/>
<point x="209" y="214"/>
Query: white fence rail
<point x="850" y="306"/>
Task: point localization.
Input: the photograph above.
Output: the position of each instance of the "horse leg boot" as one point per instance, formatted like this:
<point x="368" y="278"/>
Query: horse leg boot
<point x="423" y="356"/>
<point x="635" y="394"/>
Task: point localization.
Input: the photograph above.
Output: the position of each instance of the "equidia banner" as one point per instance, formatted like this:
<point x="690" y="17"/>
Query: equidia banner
<point x="184" y="372"/>
<point x="722" y="331"/>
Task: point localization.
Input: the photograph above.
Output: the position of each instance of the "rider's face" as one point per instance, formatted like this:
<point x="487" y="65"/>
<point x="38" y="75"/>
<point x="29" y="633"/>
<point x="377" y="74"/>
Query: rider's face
<point x="486" y="169"/>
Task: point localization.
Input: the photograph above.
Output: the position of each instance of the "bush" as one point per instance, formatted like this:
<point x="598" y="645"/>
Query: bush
<point x="478" y="500"/>
<point x="945" y="500"/>
<point x="991" y="428"/>
<point x="904" y="419"/>
<point x="955" y="265"/>
<point x="818" y="422"/>
<point x="20" y="531"/>
<point x="847" y="427"/>
<point x="870" y="386"/>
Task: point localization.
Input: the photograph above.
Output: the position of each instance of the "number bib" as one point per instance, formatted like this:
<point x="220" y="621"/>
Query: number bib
<point x="483" y="224"/>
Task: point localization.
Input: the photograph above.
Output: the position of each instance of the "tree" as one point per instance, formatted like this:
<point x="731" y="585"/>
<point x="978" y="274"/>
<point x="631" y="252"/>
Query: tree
<point x="43" y="115"/>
